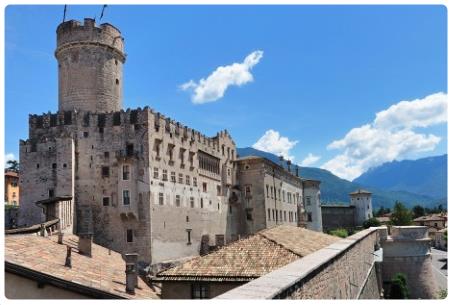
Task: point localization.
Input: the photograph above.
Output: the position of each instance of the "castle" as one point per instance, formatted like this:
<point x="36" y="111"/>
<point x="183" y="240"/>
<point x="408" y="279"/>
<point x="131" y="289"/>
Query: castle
<point x="136" y="180"/>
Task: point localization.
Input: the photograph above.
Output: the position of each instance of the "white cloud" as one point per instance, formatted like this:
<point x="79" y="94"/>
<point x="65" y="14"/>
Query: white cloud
<point x="9" y="156"/>
<point x="214" y="86"/>
<point x="425" y="112"/>
<point x="273" y="142"/>
<point x="391" y="136"/>
<point x="310" y="160"/>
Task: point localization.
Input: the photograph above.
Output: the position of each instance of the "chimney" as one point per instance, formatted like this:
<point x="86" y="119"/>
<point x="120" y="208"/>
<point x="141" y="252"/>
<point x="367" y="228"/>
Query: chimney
<point x="289" y="165"/>
<point x="85" y="244"/>
<point x="296" y="171"/>
<point x="68" y="257"/>
<point x="43" y="230"/>
<point x="131" y="272"/>
<point x="60" y="234"/>
<point x="60" y="237"/>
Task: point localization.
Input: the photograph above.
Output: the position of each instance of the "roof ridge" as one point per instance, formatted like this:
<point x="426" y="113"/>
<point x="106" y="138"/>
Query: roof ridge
<point x="278" y="244"/>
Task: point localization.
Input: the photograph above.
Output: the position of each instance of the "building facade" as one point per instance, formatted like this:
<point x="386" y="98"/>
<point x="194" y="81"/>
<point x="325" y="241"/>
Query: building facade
<point x="135" y="180"/>
<point x="11" y="188"/>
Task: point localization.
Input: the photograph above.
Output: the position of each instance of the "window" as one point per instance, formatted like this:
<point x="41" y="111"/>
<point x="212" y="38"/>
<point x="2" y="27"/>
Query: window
<point x="105" y="171"/>
<point x="85" y="134"/>
<point x="173" y="177"/>
<point x="65" y="165"/>
<point x="310" y="217"/>
<point x="180" y="178"/>
<point x="125" y="172"/>
<point x="218" y="190"/>
<point x="177" y="200"/>
<point x="285" y="216"/>
<point x="271" y="192"/>
<point x="201" y="203"/>
<point x="117" y="81"/>
<point x="191" y="200"/>
<point x="106" y="154"/>
<point x="194" y="181"/>
<point x="273" y="214"/>
<point x="126" y="197"/>
<point x="54" y="165"/>
<point x="284" y="198"/>
<point x="14" y="194"/>
<point x="105" y="201"/>
<point x="116" y="119"/>
<point x="187" y="218"/>
<point x="248" y="192"/>
<point x="164" y="176"/>
<point x="51" y="193"/>
<point x="230" y="209"/>
<point x="268" y="214"/>
<point x="129" y="236"/>
<point x="200" y="291"/>
<point x="155" y="173"/>
<point x="161" y="198"/>
<point x="37" y="165"/>
<point x="188" y="180"/>
<point x="308" y="200"/>
<point x="205" y="187"/>
<point x="188" y="231"/>
<point x="267" y="190"/>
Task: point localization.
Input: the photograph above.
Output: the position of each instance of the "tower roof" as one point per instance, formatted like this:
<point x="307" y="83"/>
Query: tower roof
<point x="360" y="192"/>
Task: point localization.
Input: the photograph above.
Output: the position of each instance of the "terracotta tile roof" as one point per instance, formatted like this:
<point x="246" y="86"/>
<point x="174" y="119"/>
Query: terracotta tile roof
<point x="251" y="257"/>
<point x="430" y="218"/>
<point x="104" y="271"/>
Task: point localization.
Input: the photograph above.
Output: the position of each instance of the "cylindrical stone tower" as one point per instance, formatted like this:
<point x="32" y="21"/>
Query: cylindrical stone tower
<point x="90" y="63"/>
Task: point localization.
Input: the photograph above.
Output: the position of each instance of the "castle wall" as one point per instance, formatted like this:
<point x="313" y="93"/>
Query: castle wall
<point x="139" y="141"/>
<point x="336" y="217"/>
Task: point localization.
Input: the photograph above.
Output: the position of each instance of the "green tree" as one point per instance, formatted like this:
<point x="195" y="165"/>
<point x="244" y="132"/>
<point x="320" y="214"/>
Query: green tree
<point x="12" y="165"/>
<point x="418" y="211"/>
<point x="371" y="222"/>
<point x="343" y="233"/>
<point x="399" y="288"/>
<point x="401" y="216"/>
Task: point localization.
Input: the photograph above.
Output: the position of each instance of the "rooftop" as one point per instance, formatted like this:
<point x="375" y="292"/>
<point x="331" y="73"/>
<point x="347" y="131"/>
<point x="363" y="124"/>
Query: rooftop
<point x="103" y="273"/>
<point x="360" y="191"/>
<point x="430" y="218"/>
<point x="251" y="257"/>
<point x="11" y="174"/>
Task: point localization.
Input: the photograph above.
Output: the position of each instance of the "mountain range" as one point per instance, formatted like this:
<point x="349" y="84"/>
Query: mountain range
<point x="335" y="190"/>
<point x="426" y="176"/>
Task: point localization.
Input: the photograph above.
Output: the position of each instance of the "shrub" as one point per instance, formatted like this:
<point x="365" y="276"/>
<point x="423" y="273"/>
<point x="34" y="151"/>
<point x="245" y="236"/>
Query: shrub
<point x="399" y="288"/>
<point x="371" y="222"/>
<point x="339" y="233"/>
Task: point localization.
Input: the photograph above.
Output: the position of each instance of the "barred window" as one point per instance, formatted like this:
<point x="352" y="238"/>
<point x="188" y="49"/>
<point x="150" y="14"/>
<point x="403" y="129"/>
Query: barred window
<point x="155" y="173"/>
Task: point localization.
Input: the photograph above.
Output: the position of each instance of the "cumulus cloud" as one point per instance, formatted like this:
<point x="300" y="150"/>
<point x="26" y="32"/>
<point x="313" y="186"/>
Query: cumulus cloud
<point x="8" y="157"/>
<point x="391" y="136"/>
<point x="425" y="112"/>
<point x="310" y="160"/>
<point x="273" y="142"/>
<point x="214" y="86"/>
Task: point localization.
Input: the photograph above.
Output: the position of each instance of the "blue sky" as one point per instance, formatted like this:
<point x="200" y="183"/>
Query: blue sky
<point x="321" y="72"/>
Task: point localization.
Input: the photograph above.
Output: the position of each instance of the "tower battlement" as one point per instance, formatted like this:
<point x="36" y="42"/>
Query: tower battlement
<point x="73" y="32"/>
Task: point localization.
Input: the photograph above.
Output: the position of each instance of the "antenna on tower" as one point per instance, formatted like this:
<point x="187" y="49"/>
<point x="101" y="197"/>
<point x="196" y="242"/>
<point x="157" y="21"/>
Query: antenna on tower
<point x="65" y="9"/>
<point x="103" y="10"/>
